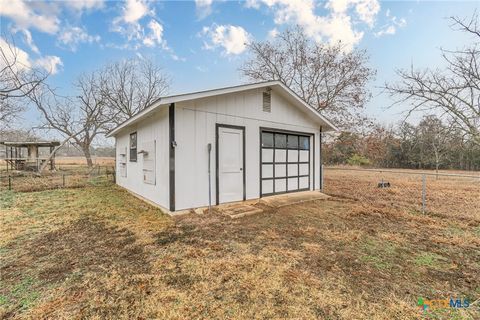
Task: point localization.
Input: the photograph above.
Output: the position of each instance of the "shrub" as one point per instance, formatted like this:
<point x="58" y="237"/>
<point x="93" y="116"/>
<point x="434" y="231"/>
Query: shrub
<point x="358" y="160"/>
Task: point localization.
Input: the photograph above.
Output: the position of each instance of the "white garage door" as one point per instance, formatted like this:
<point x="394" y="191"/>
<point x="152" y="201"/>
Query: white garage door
<point x="285" y="162"/>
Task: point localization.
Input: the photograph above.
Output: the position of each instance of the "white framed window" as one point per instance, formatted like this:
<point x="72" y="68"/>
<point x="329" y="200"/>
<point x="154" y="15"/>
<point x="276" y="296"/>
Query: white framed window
<point x="133" y="147"/>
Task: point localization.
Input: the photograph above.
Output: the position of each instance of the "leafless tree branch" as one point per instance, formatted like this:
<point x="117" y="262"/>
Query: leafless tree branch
<point x="105" y="98"/>
<point x="452" y="93"/>
<point x="17" y="81"/>
<point x="325" y="76"/>
<point x="130" y="86"/>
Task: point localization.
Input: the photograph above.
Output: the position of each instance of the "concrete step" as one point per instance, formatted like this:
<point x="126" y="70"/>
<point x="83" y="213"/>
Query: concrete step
<point x="240" y="210"/>
<point x="246" y="213"/>
<point x="287" y="199"/>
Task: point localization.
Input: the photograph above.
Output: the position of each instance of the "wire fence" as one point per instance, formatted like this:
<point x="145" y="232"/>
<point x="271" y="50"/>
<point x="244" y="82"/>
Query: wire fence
<point x="413" y="191"/>
<point x="452" y="193"/>
<point x="77" y="177"/>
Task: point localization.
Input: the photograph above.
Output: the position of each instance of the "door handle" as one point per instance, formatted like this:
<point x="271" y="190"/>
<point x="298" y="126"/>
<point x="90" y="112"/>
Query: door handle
<point x="241" y="169"/>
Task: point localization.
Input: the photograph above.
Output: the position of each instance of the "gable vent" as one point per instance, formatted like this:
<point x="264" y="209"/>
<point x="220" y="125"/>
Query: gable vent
<point x="267" y="102"/>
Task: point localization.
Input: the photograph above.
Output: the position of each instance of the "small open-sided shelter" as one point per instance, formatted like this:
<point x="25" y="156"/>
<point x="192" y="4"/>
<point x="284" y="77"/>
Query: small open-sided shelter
<point x="25" y="155"/>
<point x="222" y="145"/>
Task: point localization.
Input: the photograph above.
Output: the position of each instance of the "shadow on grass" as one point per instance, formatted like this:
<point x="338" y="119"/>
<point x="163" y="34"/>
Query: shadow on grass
<point x="86" y="246"/>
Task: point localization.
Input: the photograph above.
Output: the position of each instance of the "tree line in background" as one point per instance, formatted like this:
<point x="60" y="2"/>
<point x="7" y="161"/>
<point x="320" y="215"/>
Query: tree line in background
<point x="328" y="77"/>
<point x="430" y="144"/>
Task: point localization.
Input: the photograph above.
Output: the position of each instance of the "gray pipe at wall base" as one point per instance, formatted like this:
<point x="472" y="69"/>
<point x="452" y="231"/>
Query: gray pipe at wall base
<point x="320" y="158"/>
<point x="209" y="148"/>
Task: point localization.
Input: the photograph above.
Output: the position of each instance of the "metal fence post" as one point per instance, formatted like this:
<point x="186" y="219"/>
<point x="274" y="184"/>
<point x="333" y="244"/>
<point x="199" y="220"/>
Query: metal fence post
<point x="424" y="193"/>
<point x="9" y="183"/>
<point x="63" y="180"/>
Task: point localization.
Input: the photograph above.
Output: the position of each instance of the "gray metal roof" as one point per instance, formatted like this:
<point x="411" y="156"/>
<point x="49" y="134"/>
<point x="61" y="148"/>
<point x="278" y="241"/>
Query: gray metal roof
<point x="30" y="143"/>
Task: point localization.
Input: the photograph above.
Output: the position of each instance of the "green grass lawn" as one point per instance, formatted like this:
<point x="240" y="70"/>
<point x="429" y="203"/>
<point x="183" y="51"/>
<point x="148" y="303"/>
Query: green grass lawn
<point x="98" y="252"/>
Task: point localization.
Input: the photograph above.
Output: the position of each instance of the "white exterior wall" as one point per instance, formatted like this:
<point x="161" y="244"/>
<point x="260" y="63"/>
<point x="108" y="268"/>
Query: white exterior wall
<point x="154" y="128"/>
<point x="195" y="127"/>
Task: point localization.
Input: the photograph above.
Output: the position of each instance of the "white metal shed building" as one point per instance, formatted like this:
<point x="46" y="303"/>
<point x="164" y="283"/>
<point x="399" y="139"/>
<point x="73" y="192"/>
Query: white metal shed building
<point x="260" y="139"/>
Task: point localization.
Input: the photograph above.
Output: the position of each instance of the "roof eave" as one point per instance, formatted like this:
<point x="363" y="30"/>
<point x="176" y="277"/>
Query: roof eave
<point x="202" y="94"/>
<point x="188" y="96"/>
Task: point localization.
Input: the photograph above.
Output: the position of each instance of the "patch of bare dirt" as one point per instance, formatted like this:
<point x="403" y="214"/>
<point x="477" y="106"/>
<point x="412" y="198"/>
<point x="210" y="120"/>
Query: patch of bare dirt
<point x="85" y="245"/>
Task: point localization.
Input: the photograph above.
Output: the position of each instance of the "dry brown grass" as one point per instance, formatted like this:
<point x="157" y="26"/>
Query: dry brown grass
<point x="74" y="161"/>
<point x="101" y="161"/>
<point x="58" y="180"/>
<point x="446" y="195"/>
<point x="66" y="176"/>
<point x="98" y="252"/>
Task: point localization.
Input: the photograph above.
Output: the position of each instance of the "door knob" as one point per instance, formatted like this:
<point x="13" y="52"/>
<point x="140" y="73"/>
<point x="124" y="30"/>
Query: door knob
<point x="241" y="169"/>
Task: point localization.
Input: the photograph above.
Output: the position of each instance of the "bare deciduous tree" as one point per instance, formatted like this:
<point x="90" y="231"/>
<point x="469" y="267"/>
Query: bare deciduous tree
<point x="434" y="137"/>
<point x="80" y="119"/>
<point x="17" y="80"/>
<point x="454" y="93"/>
<point x="325" y="76"/>
<point x="18" y="135"/>
<point x="105" y="98"/>
<point x="130" y="86"/>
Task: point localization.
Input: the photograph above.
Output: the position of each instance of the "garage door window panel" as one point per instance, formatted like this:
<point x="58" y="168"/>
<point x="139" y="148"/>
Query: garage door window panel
<point x="293" y="169"/>
<point x="267" y="186"/>
<point x="285" y="162"/>
<point x="303" y="169"/>
<point x="303" y="182"/>
<point x="280" y="185"/>
<point x="280" y="170"/>
<point x="292" y="156"/>
<point x="292" y="184"/>
<point x="267" y="155"/>
<point x="280" y="156"/>
<point x="280" y="141"/>
<point x="304" y="143"/>
<point x="304" y="156"/>
<point x="267" y="139"/>
<point x="292" y="142"/>
<point x="267" y="170"/>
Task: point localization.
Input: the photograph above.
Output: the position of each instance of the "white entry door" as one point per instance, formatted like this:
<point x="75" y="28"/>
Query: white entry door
<point x="230" y="164"/>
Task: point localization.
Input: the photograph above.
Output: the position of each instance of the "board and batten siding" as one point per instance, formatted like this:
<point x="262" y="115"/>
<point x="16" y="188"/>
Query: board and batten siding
<point x="195" y="122"/>
<point x="153" y="129"/>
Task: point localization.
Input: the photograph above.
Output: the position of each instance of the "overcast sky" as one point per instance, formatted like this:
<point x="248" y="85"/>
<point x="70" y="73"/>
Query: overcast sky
<point x="201" y="44"/>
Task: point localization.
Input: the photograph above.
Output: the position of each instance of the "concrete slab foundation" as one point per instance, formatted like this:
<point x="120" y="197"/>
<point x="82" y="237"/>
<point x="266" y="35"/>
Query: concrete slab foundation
<point x="292" y="198"/>
<point x="246" y="208"/>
